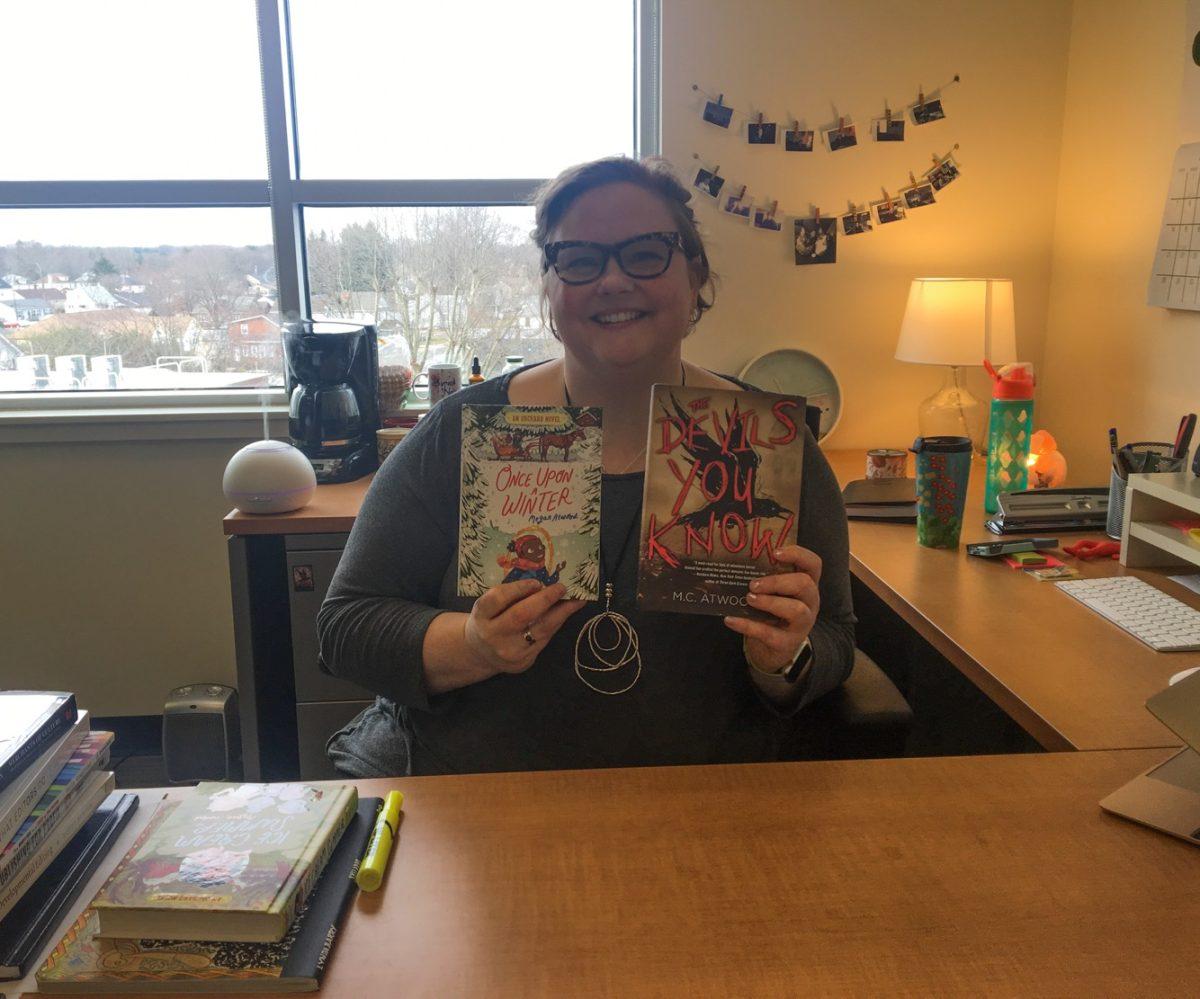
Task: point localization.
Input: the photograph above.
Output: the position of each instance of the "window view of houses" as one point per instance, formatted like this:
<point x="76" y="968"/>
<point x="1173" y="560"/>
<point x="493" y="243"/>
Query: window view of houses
<point x="441" y="285"/>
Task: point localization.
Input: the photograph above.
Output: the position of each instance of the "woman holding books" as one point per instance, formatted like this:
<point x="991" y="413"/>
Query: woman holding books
<point x="496" y="683"/>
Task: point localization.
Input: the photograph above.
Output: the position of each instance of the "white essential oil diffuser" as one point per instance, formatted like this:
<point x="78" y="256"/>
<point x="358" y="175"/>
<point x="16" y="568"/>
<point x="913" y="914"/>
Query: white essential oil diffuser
<point x="269" y="477"/>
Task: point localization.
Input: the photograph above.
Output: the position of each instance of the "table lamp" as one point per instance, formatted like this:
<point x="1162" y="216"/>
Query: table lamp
<point x="957" y="322"/>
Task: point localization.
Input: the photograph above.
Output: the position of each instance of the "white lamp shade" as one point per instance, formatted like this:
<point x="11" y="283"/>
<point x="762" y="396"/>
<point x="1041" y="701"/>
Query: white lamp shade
<point x="958" y="321"/>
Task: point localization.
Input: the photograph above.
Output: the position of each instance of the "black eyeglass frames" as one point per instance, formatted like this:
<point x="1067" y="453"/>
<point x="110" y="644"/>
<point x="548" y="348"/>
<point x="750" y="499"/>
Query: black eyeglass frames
<point x="578" y="261"/>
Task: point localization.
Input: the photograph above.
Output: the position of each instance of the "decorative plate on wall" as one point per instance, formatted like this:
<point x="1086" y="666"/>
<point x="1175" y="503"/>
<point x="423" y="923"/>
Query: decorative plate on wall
<point x="797" y="372"/>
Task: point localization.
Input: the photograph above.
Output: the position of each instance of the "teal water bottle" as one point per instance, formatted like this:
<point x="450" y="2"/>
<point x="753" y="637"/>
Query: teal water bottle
<point x="1009" y="430"/>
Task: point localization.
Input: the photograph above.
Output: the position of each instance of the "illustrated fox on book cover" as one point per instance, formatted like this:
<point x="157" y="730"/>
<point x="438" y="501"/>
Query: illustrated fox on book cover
<point x="722" y="493"/>
<point x="530" y="499"/>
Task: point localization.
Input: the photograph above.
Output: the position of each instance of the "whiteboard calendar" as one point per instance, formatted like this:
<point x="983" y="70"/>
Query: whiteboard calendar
<point x="1175" y="282"/>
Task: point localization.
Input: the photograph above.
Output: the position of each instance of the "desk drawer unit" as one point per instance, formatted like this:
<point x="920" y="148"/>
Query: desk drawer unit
<point x="323" y="703"/>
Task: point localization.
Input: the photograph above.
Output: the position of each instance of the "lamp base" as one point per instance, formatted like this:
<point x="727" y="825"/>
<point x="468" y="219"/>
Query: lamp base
<point x="953" y="411"/>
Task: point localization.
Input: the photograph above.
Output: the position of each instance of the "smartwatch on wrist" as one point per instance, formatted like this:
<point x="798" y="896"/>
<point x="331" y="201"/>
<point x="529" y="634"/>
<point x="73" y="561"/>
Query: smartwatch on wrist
<point x="793" y="670"/>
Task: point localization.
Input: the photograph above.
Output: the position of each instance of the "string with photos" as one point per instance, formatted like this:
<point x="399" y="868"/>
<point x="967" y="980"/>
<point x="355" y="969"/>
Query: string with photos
<point x="917" y="194"/>
<point x="717" y="112"/>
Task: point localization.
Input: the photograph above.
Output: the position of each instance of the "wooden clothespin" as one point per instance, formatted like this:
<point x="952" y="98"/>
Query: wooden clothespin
<point x="720" y="100"/>
<point x="796" y="126"/>
<point x="716" y="171"/>
<point x="760" y="118"/>
<point x="920" y="96"/>
<point x="771" y="213"/>
<point x="741" y="194"/>
<point x="912" y="179"/>
<point x="817" y="214"/>
<point x="887" y="112"/>
<point x="887" y="197"/>
<point x="841" y="124"/>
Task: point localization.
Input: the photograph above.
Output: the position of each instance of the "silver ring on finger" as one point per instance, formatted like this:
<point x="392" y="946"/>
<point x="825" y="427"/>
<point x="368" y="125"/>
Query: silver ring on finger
<point x="529" y="639"/>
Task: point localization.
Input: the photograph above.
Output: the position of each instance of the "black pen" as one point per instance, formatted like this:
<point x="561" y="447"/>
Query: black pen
<point x="1112" y="440"/>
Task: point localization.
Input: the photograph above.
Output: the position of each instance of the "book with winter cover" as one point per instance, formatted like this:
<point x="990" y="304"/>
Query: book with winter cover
<point x="84" y="962"/>
<point x="30" y="720"/>
<point x="722" y="493"/>
<point x="530" y="498"/>
<point x="232" y="862"/>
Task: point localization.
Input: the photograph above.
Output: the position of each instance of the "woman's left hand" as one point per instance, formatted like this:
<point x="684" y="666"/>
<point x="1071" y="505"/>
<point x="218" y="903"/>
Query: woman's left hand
<point x="791" y="597"/>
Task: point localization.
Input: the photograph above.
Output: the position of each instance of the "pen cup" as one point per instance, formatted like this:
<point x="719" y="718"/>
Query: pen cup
<point x="943" y="468"/>
<point x="1141" y="456"/>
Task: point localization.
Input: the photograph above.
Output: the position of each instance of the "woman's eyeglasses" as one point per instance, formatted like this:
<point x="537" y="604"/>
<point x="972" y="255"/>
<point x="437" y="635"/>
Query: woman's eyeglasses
<point x="577" y="261"/>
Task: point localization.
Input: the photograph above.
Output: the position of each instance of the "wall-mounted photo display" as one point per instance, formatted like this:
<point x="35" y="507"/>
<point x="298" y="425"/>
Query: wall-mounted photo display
<point x="918" y="196"/>
<point x="709" y="182"/>
<point x="944" y="173"/>
<point x="840" y="137"/>
<point x="761" y="133"/>
<point x="716" y="113"/>
<point x="889" y="210"/>
<point x="856" y="222"/>
<point x="764" y="218"/>
<point x="925" y="112"/>
<point x="816" y="241"/>
<point x="888" y="129"/>
<point x="799" y="140"/>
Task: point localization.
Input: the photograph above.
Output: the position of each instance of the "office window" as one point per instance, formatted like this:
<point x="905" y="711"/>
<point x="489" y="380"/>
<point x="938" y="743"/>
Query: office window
<point x="162" y="243"/>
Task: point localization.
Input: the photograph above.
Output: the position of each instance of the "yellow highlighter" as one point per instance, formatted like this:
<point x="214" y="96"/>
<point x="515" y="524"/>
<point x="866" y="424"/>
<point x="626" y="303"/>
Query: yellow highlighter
<point x="374" y="862"/>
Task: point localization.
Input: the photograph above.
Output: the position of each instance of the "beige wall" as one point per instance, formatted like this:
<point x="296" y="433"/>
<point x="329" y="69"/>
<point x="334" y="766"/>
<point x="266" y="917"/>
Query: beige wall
<point x="1111" y="358"/>
<point x="115" y="572"/>
<point x="800" y="58"/>
<point x="116" y="583"/>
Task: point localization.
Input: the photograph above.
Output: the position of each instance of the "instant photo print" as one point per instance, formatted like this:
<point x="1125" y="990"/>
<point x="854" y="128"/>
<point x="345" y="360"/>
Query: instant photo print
<point x="798" y="141"/>
<point x="854" y="223"/>
<point x="708" y="182"/>
<point x="889" y="211"/>
<point x="764" y="220"/>
<point x="816" y="241"/>
<point x="923" y="114"/>
<point x="737" y="204"/>
<point x="918" y="196"/>
<point x="841" y="138"/>
<point x="718" y="114"/>
<point x="761" y="133"/>
<point x="888" y="129"/>
<point x="944" y="173"/>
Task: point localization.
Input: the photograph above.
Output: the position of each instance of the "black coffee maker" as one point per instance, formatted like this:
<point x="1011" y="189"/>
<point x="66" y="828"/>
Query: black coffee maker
<point x="333" y="392"/>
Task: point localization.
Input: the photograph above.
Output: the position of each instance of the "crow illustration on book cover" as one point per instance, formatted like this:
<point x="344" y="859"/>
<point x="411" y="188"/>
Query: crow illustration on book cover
<point x="733" y="461"/>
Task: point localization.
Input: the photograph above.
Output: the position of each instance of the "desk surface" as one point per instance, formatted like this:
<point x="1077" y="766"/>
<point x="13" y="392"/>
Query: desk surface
<point x="1067" y="676"/>
<point x="956" y="876"/>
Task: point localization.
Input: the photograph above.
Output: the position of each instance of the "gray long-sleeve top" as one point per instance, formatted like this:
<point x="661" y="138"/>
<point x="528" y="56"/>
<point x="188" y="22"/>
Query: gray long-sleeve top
<point x="694" y="701"/>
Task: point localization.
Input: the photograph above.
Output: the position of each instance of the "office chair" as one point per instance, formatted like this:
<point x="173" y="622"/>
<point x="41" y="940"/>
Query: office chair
<point x="865" y="718"/>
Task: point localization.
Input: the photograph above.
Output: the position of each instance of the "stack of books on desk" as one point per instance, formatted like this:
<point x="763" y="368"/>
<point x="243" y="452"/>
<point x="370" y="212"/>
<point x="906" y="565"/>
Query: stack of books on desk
<point x="56" y="817"/>
<point x="232" y="888"/>
<point x="881" y="499"/>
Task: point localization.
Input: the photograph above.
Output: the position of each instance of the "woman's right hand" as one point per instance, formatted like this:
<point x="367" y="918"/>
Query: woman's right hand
<point x="502" y="622"/>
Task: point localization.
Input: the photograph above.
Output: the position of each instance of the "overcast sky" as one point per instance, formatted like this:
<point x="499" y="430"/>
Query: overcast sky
<point x="168" y="89"/>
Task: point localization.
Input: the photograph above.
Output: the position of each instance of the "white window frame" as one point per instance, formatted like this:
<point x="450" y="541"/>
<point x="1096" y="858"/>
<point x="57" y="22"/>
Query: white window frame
<point x="34" y="417"/>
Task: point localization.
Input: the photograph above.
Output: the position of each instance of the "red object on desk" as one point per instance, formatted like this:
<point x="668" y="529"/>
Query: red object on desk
<point x="1088" y="549"/>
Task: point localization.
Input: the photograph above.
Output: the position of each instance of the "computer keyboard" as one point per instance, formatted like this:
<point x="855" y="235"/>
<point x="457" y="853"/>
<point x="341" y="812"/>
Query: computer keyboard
<point x="1159" y="620"/>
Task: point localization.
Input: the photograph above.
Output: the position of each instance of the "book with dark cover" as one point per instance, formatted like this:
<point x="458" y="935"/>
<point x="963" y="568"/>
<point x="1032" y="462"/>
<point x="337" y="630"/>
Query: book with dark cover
<point x="529" y="505"/>
<point x="30" y="720"/>
<point x="722" y="494"/>
<point x="83" y="962"/>
<point x="881" y="499"/>
<point x="230" y="862"/>
<point x="23" y="932"/>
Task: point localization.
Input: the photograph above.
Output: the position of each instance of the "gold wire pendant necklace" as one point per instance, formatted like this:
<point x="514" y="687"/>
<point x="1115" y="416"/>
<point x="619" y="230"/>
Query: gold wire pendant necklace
<point x="625" y="647"/>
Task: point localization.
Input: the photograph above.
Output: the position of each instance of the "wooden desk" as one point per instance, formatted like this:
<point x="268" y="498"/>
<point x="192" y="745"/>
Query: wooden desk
<point x="957" y="876"/>
<point x="1063" y="673"/>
